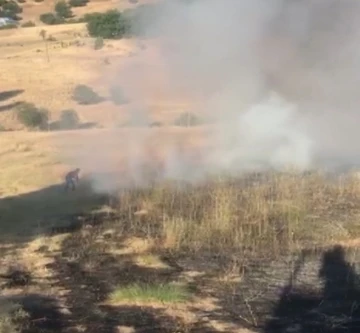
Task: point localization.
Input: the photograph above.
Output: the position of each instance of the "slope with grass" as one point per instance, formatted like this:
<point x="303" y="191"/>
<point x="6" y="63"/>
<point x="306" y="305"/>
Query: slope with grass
<point x="213" y="258"/>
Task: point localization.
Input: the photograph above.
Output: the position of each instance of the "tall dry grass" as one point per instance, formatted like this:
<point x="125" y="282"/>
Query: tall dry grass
<point x="259" y="215"/>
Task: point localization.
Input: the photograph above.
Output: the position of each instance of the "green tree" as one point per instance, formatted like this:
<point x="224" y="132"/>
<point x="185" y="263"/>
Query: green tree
<point x="63" y="10"/>
<point x="109" y="25"/>
<point x="11" y="9"/>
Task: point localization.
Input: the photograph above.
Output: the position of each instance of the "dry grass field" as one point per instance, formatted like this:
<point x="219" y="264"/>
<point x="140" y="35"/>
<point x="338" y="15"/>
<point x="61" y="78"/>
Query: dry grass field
<point x="258" y="253"/>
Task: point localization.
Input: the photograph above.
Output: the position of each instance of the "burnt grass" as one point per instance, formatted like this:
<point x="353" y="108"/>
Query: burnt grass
<point x="315" y="290"/>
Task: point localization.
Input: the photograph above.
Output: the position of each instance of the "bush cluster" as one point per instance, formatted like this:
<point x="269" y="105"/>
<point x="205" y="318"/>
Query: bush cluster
<point x="85" y="95"/>
<point x="28" y="24"/>
<point x="31" y="116"/>
<point x="62" y="12"/>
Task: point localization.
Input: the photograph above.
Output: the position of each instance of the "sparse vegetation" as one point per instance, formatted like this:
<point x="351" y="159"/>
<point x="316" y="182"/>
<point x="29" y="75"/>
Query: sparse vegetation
<point x="187" y="119"/>
<point x="85" y="95"/>
<point x="163" y="293"/>
<point x="28" y="24"/>
<point x="31" y="116"/>
<point x="51" y="19"/>
<point x="8" y="26"/>
<point x="69" y="119"/>
<point x="78" y="3"/>
<point x="109" y="25"/>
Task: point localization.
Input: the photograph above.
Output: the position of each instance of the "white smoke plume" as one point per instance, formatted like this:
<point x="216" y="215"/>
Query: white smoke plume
<point x="277" y="79"/>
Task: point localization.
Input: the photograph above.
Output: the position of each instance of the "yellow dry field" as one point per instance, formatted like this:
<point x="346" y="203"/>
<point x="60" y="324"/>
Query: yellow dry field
<point x="32" y="10"/>
<point x="31" y="74"/>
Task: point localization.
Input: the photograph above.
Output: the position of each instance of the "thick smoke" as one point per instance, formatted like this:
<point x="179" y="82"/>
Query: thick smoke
<point x="277" y="79"/>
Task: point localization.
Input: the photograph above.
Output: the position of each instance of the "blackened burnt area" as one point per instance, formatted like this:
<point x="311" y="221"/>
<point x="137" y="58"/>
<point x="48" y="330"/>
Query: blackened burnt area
<point x="90" y="272"/>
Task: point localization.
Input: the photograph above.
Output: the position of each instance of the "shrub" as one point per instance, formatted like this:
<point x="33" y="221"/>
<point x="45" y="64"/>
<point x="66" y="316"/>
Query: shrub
<point x="50" y="19"/>
<point x="69" y="119"/>
<point x="89" y="16"/>
<point x="117" y="96"/>
<point x="63" y="10"/>
<point x="28" y="24"/>
<point x="85" y="95"/>
<point x="38" y="0"/>
<point x="8" y="26"/>
<point x="21" y="1"/>
<point x="31" y="116"/>
<point x="74" y="20"/>
<point x="51" y="38"/>
<point x="99" y="43"/>
<point x="187" y="119"/>
<point x="109" y="25"/>
<point x="10" y="9"/>
<point x="78" y="3"/>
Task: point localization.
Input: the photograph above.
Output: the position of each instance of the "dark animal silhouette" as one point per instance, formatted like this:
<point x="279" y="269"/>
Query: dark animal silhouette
<point x="72" y="179"/>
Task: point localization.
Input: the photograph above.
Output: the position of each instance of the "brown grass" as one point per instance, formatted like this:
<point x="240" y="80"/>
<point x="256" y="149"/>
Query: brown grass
<point x="253" y="217"/>
<point x="214" y="229"/>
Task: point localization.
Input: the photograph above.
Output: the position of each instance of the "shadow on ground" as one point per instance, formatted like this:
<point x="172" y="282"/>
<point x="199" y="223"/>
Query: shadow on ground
<point x="320" y="293"/>
<point x="43" y="314"/>
<point x="9" y="106"/>
<point x="5" y="95"/>
<point x="57" y="126"/>
<point x="334" y="310"/>
<point x="26" y="216"/>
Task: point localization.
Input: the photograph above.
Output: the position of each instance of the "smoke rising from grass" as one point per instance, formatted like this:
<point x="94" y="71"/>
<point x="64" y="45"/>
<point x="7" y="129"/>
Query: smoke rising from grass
<point x="276" y="78"/>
